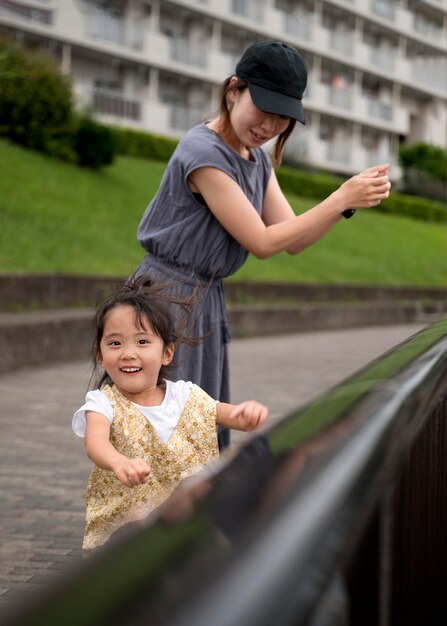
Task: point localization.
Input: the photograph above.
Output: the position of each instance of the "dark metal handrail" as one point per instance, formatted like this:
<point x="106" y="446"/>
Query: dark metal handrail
<point x="337" y="513"/>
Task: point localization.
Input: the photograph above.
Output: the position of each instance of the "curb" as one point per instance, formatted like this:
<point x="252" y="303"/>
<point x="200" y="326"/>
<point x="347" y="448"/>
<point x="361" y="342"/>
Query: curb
<point x="45" y="337"/>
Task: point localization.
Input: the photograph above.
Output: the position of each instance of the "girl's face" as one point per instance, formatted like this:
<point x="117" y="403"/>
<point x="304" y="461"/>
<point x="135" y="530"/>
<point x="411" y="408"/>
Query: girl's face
<point x="131" y="355"/>
<point x="252" y="127"/>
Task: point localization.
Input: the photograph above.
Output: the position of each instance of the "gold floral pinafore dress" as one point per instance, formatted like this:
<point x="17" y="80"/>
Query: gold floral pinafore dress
<point x="110" y="504"/>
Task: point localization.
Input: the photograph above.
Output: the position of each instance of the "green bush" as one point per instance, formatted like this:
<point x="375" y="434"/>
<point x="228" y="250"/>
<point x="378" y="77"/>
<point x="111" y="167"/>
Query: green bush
<point x="307" y="184"/>
<point x="425" y="170"/>
<point x="36" y="106"/>
<point x="145" y="145"/>
<point x="94" y="143"/>
<point x="414" y="207"/>
<point x="425" y="158"/>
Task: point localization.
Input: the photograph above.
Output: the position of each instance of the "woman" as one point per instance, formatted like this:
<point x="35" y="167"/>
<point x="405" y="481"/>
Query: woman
<point x="219" y="200"/>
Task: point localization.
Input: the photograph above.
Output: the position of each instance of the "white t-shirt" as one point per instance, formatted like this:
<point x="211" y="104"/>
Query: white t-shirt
<point x="163" y="418"/>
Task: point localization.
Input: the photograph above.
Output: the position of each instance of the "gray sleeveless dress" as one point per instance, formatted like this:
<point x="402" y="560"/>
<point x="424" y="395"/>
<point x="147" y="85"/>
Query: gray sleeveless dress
<point x="185" y="242"/>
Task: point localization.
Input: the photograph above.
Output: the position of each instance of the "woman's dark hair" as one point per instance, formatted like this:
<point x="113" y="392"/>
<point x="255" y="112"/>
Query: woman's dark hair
<point x="153" y="304"/>
<point x="240" y="85"/>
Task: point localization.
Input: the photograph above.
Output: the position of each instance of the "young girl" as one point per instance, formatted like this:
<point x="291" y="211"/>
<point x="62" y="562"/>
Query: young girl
<point x="143" y="432"/>
<point x="220" y="200"/>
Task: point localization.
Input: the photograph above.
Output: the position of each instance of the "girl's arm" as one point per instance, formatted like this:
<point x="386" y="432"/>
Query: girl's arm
<point x="99" y="449"/>
<point x="279" y="229"/>
<point x="247" y="416"/>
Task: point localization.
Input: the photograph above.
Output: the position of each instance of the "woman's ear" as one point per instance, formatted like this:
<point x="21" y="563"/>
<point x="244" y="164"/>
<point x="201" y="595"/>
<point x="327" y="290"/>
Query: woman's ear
<point x="232" y="89"/>
<point x="168" y="353"/>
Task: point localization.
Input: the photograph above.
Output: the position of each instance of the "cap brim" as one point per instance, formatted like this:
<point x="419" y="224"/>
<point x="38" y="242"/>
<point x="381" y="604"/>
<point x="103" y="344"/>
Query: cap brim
<point x="277" y="103"/>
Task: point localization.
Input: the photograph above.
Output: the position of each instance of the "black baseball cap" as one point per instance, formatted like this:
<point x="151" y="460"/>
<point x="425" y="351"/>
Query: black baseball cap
<point x="277" y="76"/>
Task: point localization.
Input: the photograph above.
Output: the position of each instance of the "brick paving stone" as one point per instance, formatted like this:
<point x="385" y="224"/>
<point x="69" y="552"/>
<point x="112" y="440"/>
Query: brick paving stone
<point x="44" y="468"/>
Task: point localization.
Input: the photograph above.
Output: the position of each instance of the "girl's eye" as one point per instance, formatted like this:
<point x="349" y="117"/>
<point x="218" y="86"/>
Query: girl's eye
<point x="143" y="341"/>
<point x="114" y="343"/>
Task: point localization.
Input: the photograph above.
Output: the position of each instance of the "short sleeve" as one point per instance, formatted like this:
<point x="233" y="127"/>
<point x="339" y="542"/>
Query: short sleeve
<point x="202" y="149"/>
<point x="180" y="390"/>
<point x="94" y="401"/>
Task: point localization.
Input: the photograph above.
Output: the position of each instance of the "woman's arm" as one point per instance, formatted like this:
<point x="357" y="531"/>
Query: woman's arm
<point x="247" y="415"/>
<point x="99" y="449"/>
<point x="280" y="229"/>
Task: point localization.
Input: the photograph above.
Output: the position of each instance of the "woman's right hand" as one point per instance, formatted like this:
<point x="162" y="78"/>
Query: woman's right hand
<point x="366" y="189"/>
<point x="131" y="472"/>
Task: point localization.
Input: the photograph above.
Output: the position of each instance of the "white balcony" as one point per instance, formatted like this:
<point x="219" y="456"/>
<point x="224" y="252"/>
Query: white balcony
<point x="298" y="145"/>
<point x="352" y="105"/>
<point x="430" y="73"/>
<point x="297" y="25"/>
<point x="272" y="18"/>
<point x="342" y="42"/>
<point x="115" y="104"/>
<point x="182" y="118"/>
<point x="380" y="110"/>
<point x="339" y="151"/>
<point x="156" y="47"/>
<point x="320" y="38"/>
<point x="105" y="26"/>
<point x="329" y="100"/>
<point x="32" y="13"/>
<point x="252" y="10"/>
<point x="340" y="98"/>
<point x="156" y="119"/>
<point x="183" y="51"/>
<point x="180" y="55"/>
<point x="384" y="9"/>
<point x="383" y="58"/>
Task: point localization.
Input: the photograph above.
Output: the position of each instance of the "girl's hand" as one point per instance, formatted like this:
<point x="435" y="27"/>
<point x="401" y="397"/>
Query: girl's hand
<point x="248" y="415"/>
<point x="366" y="189"/>
<point x="132" y="472"/>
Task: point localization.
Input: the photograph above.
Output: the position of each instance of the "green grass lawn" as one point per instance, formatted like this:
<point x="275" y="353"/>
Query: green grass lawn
<point x="58" y="218"/>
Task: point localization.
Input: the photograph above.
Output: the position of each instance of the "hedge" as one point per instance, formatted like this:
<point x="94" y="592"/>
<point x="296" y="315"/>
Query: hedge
<point x="142" y="144"/>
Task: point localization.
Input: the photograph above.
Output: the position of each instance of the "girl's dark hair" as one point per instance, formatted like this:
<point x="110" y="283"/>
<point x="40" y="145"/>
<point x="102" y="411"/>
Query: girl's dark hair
<point x="240" y="85"/>
<point x="153" y="304"/>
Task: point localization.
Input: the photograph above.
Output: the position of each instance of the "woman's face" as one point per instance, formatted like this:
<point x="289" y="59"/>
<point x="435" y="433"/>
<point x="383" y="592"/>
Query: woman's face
<point x="252" y="127"/>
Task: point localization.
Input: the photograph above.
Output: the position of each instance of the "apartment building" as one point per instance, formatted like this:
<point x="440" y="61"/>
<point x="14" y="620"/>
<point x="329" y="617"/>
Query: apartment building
<point x="377" y="68"/>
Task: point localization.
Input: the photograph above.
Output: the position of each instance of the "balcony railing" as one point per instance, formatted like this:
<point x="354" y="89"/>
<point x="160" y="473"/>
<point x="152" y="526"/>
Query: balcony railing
<point x="340" y="98"/>
<point x="111" y="102"/>
<point x="251" y="9"/>
<point x="380" y="110"/>
<point x="431" y="74"/>
<point x="383" y="8"/>
<point x="32" y="14"/>
<point x="105" y="26"/>
<point x="184" y="118"/>
<point x="297" y="25"/>
<point x="183" y="51"/>
<point x="297" y="146"/>
<point x="342" y="42"/>
<point x="382" y="58"/>
<point x="339" y="151"/>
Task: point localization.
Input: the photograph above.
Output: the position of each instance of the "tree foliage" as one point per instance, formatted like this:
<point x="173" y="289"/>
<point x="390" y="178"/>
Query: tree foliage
<point x="37" y="110"/>
<point x="36" y="107"/>
<point x="431" y="160"/>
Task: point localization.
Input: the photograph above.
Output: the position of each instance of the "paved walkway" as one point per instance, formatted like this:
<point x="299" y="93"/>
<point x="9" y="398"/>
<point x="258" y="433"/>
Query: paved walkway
<point x="44" y="468"/>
